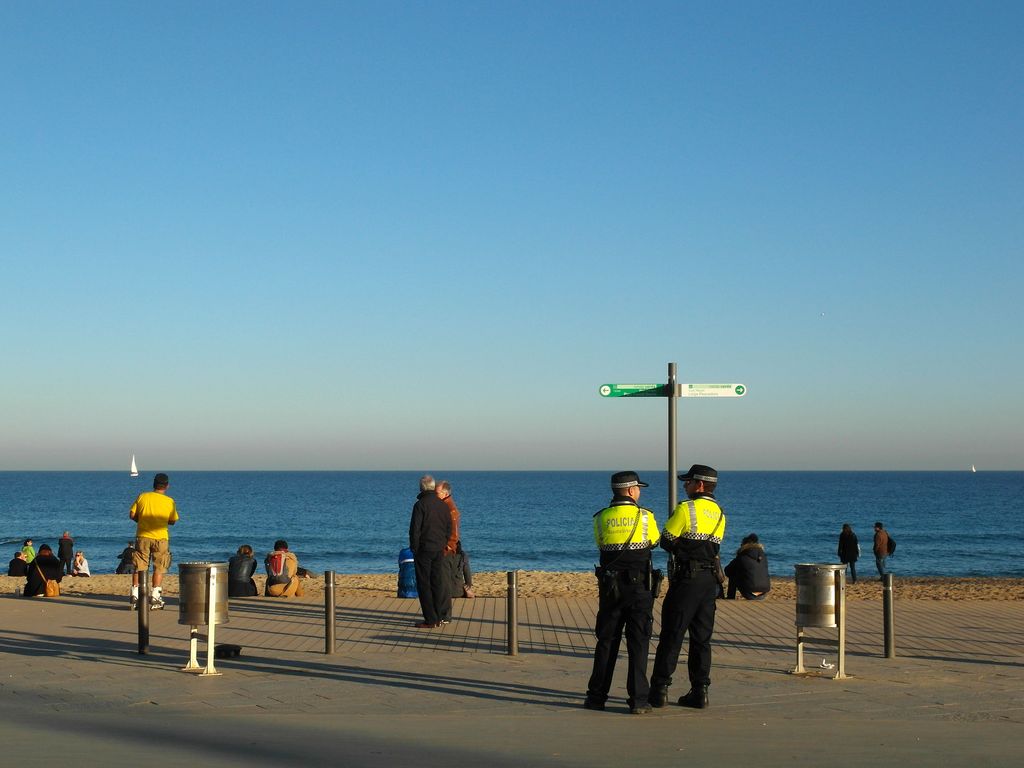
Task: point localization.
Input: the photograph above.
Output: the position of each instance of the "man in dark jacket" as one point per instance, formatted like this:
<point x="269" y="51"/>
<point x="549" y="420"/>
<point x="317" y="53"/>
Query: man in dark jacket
<point x="17" y="566"/>
<point x="66" y="552"/>
<point x="429" y="530"/>
<point x="45" y="566"/>
<point x="748" y="571"/>
<point x="849" y="550"/>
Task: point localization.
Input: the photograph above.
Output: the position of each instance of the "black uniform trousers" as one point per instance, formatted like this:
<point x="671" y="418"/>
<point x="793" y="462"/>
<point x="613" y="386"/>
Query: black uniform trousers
<point x="689" y="607"/>
<point x="634" y="613"/>
<point x="432" y="585"/>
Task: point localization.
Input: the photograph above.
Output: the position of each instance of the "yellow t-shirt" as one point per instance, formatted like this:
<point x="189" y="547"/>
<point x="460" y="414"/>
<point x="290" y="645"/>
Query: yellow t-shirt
<point x="153" y="512"/>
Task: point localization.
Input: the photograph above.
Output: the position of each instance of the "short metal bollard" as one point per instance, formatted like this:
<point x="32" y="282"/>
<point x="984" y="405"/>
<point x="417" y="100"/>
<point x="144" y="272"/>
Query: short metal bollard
<point x="821" y="602"/>
<point x="888" y="617"/>
<point x="143" y="609"/>
<point x="513" y="621"/>
<point x="203" y="601"/>
<point x="329" y="643"/>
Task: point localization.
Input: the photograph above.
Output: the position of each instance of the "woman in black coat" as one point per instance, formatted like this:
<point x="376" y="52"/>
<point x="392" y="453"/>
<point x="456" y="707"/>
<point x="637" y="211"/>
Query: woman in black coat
<point x="748" y="571"/>
<point x="44" y="567"/>
<point x="849" y="550"/>
<point x="241" y="567"/>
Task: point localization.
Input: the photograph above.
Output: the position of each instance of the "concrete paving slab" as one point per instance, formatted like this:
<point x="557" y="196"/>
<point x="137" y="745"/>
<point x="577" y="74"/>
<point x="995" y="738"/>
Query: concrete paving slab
<point x="70" y="675"/>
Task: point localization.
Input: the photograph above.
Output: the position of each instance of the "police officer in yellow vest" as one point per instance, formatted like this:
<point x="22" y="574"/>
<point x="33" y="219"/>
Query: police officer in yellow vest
<point x="692" y="536"/>
<point x="625" y="534"/>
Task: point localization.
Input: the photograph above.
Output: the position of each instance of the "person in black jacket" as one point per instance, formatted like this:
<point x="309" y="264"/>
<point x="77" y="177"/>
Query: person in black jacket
<point x="429" y="529"/>
<point x="124" y="561"/>
<point x="45" y="565"/>
<point x="748" y="571"/>
<point x="241" y="567"/>
<point x="18" y="566"/>
<point x="849" y="550"/>
<point x="66" y="552"/>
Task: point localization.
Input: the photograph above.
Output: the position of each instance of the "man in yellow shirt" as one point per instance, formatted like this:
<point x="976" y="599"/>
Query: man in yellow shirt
<point x="153" y="511"/>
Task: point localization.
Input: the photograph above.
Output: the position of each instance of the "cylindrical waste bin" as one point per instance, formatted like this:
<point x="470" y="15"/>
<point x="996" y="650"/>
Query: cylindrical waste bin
<point x="816" y="594"/>
<point x="407" y="574"/>
<point x="194" y="593"/>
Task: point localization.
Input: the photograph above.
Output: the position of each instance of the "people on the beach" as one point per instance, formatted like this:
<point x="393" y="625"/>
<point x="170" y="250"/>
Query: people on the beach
<point x="44" y="567"/>
<point x="429" y="529"/>
<point x="460" y="577"/>
<point x="880" y="548"/>
<point x="126" y="560"/>
<point x="748" y="571"/>
<point x="18" y="565"/>
<point x="66" y="552"/>
<point x="693" y="537"/>
<point x="848" y="550"/>
<point x="153" y="511"/>
<point x="28" y="551"/>
<point x="624" y="533"/>
<point x="81" y="565"/>
<point x="241" y="568"/>
<point x="282" y="572"/>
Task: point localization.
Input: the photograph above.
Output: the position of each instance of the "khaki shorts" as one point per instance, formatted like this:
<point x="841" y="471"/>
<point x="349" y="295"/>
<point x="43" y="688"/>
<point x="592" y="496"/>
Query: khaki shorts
<point x="160" y="551"/>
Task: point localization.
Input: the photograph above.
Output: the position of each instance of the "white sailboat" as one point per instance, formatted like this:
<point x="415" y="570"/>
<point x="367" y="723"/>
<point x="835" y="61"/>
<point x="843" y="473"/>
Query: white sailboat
<point x="973" y="469"/>
<point x="135" y="469"/>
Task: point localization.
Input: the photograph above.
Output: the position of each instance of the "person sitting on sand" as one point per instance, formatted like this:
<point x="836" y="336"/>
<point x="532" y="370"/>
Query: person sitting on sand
<point x="126" y="558"/>
<point x="81" y="565"/>
<point x="18" y="566"/>
<point x="241" y="567"/>
<point x="45" y="566"/>
<point x="282" y="569"/>
<point x="748" y="571"/>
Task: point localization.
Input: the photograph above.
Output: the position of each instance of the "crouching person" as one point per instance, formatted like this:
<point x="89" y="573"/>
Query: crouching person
<point x="282" y="572"/>
<point x="748" y="571"/>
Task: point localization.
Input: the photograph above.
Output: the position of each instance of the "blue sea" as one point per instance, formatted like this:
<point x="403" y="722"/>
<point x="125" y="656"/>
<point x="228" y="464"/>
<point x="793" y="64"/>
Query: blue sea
<point x="945" y="523"/>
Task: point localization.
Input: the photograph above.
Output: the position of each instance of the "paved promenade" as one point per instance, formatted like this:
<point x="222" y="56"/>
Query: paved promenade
<point x="73" y="687"/>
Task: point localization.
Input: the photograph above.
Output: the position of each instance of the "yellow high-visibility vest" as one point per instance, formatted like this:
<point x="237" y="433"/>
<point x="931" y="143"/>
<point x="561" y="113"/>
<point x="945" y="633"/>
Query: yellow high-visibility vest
<point x="625" y="525"/>
<point x="698" y="519"/>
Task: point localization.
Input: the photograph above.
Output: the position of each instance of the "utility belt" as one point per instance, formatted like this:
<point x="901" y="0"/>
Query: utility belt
<point x="690" y="569"/>
<point x="610" y="581"/>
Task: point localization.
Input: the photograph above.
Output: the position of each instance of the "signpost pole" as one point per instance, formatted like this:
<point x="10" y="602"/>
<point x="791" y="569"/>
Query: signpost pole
<point x="671" y="439"/>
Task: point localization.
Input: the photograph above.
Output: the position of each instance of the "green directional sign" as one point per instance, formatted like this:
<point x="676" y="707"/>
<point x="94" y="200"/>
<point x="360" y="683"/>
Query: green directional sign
<point x="712" y="390"/>
<point x="634" y="390"/>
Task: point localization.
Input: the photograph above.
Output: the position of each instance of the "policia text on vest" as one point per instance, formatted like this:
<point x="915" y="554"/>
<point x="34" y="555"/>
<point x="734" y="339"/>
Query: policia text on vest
<point x="624" y="533"/>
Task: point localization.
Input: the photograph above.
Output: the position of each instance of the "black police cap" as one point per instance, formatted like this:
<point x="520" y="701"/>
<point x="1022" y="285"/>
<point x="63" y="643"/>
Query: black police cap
<point x="701" y="472"/>
<point x="622" y="480"/>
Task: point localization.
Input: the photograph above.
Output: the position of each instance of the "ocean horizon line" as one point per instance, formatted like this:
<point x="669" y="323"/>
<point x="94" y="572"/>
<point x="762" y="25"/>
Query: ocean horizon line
<point x="680" y="468"/>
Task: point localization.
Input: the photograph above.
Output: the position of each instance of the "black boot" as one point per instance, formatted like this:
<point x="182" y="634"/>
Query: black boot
<point x="696" y="697"/>
<point x="659" y="696"/>
<point x="592" y="702"/>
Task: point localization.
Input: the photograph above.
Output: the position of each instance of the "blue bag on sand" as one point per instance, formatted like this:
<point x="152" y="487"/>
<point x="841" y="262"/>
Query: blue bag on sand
<point x="407" y="574"/>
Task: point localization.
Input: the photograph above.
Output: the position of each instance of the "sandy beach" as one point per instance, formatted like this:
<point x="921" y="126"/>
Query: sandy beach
<point x="547" y="584"/>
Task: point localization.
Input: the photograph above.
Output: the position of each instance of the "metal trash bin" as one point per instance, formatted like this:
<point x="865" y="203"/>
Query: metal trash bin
<point x="194" y="593"/>
<point x="816" y="594"/>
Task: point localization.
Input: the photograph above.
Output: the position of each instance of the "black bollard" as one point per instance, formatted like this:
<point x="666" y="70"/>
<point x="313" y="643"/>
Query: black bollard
<point x="143" y="609"/>
<point x="888" y="617"/>
<point x="513" y="620"/>
<point x="329" y="612"/>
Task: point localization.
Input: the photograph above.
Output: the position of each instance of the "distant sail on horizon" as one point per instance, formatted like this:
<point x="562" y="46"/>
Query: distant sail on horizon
<point x="135" y="469"/>
<point x="973" y="469"/>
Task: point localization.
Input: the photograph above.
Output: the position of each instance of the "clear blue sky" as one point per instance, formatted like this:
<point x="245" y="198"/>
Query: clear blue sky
<point x="421" y="235"/>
